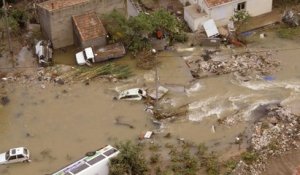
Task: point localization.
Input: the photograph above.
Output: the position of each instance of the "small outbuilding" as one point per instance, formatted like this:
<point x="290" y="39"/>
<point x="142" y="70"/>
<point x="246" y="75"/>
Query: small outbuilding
<point x="89" y="30"/>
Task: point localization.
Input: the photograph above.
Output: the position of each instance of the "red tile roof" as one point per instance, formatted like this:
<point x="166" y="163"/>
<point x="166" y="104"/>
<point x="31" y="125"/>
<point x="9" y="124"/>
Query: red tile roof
<point x="59" y="4"/>
<point x="89" y="26"/>
<point x="212" y="3"/>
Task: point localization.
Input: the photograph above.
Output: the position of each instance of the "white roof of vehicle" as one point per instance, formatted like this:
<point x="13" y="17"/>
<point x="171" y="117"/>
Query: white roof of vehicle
<point x="210" y="28"/>
<point x="89" y="52"/>
<point x="16" y="151"/>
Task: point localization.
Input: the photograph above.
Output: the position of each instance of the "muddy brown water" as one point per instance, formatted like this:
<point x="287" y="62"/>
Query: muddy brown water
<point x="59" y="124"/>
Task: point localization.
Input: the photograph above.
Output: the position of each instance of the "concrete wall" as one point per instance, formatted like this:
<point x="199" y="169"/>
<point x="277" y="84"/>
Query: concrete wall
<point x="222" y="14"/>
<point x="44" y="19"/>
<point x="259" y="7"/>
<point x="57" y="25"/>
<point x="99" y="42"/>
<point x="194" y="23"/>
<point x="62" y="27"/>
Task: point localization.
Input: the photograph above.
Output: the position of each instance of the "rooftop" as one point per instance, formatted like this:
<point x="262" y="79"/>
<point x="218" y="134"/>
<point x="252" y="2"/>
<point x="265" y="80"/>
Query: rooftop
<point x="59" y="4"/>
<point x="89" y="26"/>
<point x="212" y="3"/>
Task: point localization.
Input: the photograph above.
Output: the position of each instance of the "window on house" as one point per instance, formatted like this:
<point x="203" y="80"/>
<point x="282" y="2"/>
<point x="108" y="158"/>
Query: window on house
<point x="241" y="6"/>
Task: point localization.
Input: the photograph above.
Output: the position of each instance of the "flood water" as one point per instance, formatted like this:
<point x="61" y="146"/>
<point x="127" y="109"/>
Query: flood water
<point x="59" y="124"/>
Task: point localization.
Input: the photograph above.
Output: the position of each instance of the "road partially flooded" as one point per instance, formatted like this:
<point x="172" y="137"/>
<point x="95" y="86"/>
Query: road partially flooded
<point x="60" y="123"/>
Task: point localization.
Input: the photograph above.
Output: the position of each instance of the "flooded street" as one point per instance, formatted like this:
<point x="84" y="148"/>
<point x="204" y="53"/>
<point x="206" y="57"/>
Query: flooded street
<point x="59" y="124"/>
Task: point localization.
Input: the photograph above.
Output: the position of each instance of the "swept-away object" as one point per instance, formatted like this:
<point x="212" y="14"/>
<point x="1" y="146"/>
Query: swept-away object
<point x="161" y="91"/>
<point x="93" y="163"/>
<point x="94" y="55"/>
<point x="148" y="135"/>
<point x="44" y="52"/>
<point x="15" y="155"/>
<point x="132" y="94"/>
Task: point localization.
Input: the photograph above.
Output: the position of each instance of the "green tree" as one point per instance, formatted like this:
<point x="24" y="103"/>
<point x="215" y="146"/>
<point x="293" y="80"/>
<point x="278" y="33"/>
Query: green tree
<point x="135" y="31"/>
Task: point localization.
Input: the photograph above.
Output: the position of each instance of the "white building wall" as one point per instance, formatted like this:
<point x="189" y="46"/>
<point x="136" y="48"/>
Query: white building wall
<point x="222" y="14"/>
<point x="258" y="7"/>
<point x="194" y="22"/>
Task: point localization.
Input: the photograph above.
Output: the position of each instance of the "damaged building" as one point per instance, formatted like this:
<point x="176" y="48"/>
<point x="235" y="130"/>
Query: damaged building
<point x="55" y="17"/>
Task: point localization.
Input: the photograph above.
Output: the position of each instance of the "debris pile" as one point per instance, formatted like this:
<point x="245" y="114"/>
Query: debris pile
<point x="245" y="64"/>
<point x="290" y="18"/>
<point x="274" y="134"/>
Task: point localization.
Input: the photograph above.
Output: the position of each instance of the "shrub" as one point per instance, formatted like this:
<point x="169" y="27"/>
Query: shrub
<point x="129" y="161"/>
<point x="249" y="157"/>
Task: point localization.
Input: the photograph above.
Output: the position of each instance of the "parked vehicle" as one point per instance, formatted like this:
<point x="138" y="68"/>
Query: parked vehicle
<point x="93" y="163"/>
<point x="132" y="94"/>
<point x="92" y="55"/>
<point x="15" y="155"/>
<point x="44" y="52"/>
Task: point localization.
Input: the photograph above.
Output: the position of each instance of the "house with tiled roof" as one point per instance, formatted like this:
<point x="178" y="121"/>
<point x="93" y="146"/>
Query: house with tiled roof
<point x="196" y="12"/>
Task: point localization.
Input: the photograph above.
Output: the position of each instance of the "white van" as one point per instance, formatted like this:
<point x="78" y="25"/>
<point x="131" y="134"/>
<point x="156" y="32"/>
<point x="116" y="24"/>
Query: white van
<point x="95" y="163"/>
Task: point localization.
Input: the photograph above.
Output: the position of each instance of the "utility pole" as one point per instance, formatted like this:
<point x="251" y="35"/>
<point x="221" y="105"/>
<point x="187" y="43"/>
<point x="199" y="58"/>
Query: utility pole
<point x="156" y="76"/>
<point x="7" y="27"/>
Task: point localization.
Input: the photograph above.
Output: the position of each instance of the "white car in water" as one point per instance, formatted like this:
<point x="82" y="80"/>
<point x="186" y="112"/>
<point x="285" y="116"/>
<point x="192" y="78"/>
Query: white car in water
<point x="15" y="155"/>
<point x="132" y="94"/>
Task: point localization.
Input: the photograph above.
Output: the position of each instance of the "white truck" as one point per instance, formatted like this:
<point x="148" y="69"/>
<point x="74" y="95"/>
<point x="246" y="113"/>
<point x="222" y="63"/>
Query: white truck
<point x="93" y="55"/>
<point x="94" y="163"/>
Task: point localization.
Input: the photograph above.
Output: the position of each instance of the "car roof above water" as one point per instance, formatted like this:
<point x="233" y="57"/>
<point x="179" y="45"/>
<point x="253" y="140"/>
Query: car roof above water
<point x="17" y="151"/>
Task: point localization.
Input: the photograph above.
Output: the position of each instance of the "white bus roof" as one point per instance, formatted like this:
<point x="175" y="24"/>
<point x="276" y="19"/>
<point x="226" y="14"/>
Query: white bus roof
<point x="91" y="165"/>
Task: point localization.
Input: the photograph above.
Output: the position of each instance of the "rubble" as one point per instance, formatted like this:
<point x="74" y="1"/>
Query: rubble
<point x="277" y="132"/>
<point x="290" y="18"/>
<point x="245" y="64"/>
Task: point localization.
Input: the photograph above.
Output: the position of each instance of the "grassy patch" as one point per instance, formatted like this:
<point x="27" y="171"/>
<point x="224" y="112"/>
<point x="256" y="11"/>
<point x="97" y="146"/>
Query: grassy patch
<point x="249" y="157"/>
<point x="288" y="33"/>
<point x="230" y="165"/>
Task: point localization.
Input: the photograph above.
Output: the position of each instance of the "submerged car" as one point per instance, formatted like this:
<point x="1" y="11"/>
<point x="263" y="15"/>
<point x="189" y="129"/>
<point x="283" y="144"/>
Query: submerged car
<point x="15" y="155"/>
<point x="132" y="94"/>
<point x="44" y="52"/>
